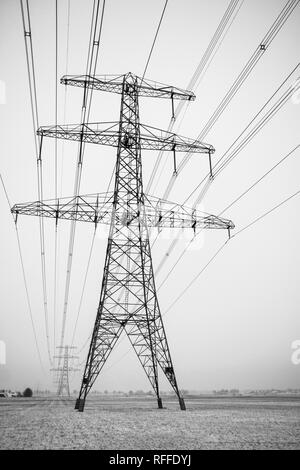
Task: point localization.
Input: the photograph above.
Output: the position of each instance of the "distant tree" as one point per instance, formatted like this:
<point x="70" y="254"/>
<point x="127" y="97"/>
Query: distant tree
<point x="27" y="392"/>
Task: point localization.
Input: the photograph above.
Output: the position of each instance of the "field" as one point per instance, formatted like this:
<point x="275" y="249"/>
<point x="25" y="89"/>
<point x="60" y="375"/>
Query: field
<point x="135" y="423"/>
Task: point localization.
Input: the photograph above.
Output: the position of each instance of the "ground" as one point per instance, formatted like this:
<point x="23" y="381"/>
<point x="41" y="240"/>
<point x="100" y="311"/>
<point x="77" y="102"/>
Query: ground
<point x="136" y="423"/>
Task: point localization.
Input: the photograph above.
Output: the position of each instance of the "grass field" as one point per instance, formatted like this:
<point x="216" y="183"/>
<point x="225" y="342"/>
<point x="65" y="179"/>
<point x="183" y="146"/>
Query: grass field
<point x="125" y="423"/>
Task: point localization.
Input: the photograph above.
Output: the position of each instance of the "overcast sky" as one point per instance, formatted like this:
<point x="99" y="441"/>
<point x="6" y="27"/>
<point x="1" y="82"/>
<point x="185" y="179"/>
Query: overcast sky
<point x="235" y="326"/>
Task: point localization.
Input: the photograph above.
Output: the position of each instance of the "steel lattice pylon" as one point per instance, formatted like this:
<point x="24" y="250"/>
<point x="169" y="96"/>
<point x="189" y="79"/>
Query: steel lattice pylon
<point x="128" y="299"/>
<point x="63" y="386"/>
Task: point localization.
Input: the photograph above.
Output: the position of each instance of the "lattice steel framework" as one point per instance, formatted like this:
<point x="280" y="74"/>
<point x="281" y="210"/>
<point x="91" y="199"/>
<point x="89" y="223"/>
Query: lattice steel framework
<point x="128" y="299"/>
<point x="63" y="386"/>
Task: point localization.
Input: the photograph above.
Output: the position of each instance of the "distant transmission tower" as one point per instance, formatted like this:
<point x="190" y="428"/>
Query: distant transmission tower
<point x="128" y="298"/>
<point x="63" y="371"/>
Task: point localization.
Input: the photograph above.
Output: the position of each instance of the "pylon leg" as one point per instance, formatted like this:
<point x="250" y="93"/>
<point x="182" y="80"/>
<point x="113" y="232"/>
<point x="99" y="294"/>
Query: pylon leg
<point x="81" y="404"/>
<point x="182" y="404"/>
<point x="142" y="338"/>
<point x="105" y="335"/>
<point x="151" y="347"/>
<point x="164" y="359"/>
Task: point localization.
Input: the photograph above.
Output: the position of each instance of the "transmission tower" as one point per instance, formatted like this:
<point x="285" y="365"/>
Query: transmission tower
<point x="63" y="371"/>
<point x="128" y="298"/>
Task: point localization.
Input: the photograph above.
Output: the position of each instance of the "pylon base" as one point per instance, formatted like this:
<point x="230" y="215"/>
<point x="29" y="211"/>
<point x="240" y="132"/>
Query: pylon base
<point x="159" y="402"/>
<point x="182" y="404"/>
<point x="80" y="405"/>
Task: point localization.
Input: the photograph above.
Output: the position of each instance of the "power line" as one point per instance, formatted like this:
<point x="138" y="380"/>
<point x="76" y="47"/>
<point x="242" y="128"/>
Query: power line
<point x="30" y="69"/>
<point x="266" y="213"/>
<point x="56" y="176"/>
<point x="175" y="264"/>
<point x="56" y="82"/>
<point x="196" y="277"/>
<point x="224" y="244"/>
<point x="76" y="191"/>
<point x="238" y="82"/>
<point x="258" y="53"/>
<point x="24" y="279"/>
<point x="273" y="110"/>
<point x="230" y="205"/>
<point x="218" y="167"/>
<point x="214" y="45"/>
<point x="216" y="41"/>
<point x="95" y="52"/>
<point x="155" y="37"/>
<point x="260" y="179"/>
<point x="94" y="42"/>
<point x="25" y="12"/>
<point x="84" y="284"/>
<point x="256" y="182"/>
<point x="64" y="116"/>
<point x="167" y="254"/>
<point x="65" y="91"/>
<point x="86" y="342"/>
<point x="27" y="296"/>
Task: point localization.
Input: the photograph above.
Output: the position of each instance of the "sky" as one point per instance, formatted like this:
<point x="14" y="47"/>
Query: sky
<point x="235" y="326"/>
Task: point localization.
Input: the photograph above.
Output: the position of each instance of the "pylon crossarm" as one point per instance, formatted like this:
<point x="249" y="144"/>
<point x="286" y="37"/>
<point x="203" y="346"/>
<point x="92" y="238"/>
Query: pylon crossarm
<point x="107" y="133"/>
<point x="162" y="213"/>
<point x="114" y="84"/>
<point x="91" y="208"/>
<point x="159" y="139"/>
<point x="98" y="208"/>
